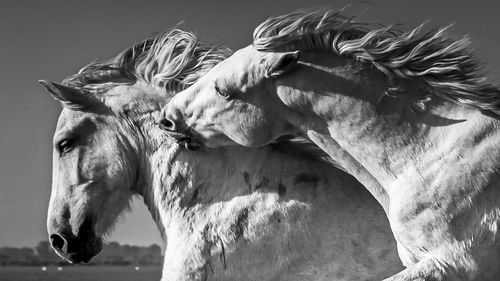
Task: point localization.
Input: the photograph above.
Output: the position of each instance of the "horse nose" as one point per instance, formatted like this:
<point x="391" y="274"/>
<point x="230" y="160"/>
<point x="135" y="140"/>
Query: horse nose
<point x="59" y="243"/>
<point x="168" y="122"/>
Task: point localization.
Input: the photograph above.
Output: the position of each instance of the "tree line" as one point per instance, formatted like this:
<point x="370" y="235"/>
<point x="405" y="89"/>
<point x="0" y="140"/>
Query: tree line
<point x="113" y="253"/>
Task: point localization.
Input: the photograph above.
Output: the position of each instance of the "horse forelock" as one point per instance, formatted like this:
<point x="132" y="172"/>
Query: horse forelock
<point x="448" y="67"/>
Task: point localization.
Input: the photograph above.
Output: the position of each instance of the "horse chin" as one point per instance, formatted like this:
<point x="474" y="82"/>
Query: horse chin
<point x="89" y="249"/>
<point x="78" y="258"/>
<point x="187" y="140"/>
<point x="190" y="143"/>
<point x="192" y="147"/>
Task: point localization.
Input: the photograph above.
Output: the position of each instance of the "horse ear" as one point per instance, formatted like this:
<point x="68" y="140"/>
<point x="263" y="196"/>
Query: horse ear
<point x="281" y="63"/>
<point x="72" y="98"/>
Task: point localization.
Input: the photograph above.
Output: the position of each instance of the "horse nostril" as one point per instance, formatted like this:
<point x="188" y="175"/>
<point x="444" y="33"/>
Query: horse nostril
<point x="58" y="242"/>
<point x="167" y="124"/>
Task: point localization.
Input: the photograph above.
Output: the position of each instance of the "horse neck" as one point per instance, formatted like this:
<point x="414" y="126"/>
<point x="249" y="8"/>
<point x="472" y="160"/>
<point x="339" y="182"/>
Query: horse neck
<point x="187" y="178"/>
<point x="375" y="131"/>
<point x="173" y="179"/>
<point x="139" y="129"/>
<point x="184" y="188"/>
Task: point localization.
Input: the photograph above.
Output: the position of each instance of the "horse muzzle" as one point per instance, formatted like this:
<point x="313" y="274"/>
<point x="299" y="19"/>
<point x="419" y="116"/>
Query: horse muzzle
<point x="186" y="139"/>
<point x="76" y="249"/>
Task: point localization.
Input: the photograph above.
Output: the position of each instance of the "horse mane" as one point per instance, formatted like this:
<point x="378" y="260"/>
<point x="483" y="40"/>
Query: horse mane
<point x="448" y="67"/>
<point x="171" y="61"/>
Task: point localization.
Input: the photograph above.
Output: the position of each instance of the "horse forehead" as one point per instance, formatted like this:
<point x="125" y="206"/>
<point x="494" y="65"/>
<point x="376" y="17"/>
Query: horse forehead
<point x="247" y="57"/>
<point x="69" y="119"/>
<point x="240" y="66"/>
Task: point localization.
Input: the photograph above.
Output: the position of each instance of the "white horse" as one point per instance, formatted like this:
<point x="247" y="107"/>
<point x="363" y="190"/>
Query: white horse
<point x="229" y="214"/>
<point x="406" y="113"/>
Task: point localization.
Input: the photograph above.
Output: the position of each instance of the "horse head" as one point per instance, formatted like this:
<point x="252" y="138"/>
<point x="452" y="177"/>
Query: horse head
<point x="235" y="102"/>
<point x="94" y="173"/>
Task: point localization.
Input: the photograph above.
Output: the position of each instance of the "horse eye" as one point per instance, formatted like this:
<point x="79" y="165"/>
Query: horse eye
<point x="64" y="146"/>
<point x="224" y="94"/>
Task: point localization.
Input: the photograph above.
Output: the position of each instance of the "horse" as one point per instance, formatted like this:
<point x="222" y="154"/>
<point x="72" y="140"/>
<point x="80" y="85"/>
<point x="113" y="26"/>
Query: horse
<point x="273" y="213"/>
<point x="408" y="114"/>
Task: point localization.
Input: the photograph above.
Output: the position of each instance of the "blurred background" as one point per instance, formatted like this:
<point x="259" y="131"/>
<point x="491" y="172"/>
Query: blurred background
<point x="52" y="39"/>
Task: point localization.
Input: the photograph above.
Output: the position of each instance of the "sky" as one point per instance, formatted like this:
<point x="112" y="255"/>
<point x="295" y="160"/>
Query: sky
<point x="53" y="39"/>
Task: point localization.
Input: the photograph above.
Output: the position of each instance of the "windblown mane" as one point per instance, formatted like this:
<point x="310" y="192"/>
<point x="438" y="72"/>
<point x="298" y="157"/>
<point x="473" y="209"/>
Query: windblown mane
<point x="172" y="60"/>
<point x="447" y="66"/>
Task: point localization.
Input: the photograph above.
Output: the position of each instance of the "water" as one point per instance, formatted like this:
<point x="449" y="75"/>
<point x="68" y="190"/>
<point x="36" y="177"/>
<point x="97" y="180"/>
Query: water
<point x="80" y="273"/>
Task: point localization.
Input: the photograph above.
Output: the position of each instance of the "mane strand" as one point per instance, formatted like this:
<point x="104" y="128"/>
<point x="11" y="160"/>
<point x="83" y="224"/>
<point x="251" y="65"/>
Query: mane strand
<point x="171" y="61"/>
<point x="448" y="67"/>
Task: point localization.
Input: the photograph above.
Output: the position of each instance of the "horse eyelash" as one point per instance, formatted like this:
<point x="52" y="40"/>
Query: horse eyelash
<point x="224" y="94"/>
<point x="60" y="149"/>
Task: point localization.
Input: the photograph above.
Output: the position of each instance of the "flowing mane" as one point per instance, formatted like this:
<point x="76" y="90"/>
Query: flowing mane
<point x="448" y="67"/>
<point x="172" y="61"/>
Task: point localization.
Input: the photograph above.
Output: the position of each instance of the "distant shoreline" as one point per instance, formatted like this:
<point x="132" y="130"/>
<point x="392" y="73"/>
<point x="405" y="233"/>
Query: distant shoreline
<point x="113" y="254"/>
